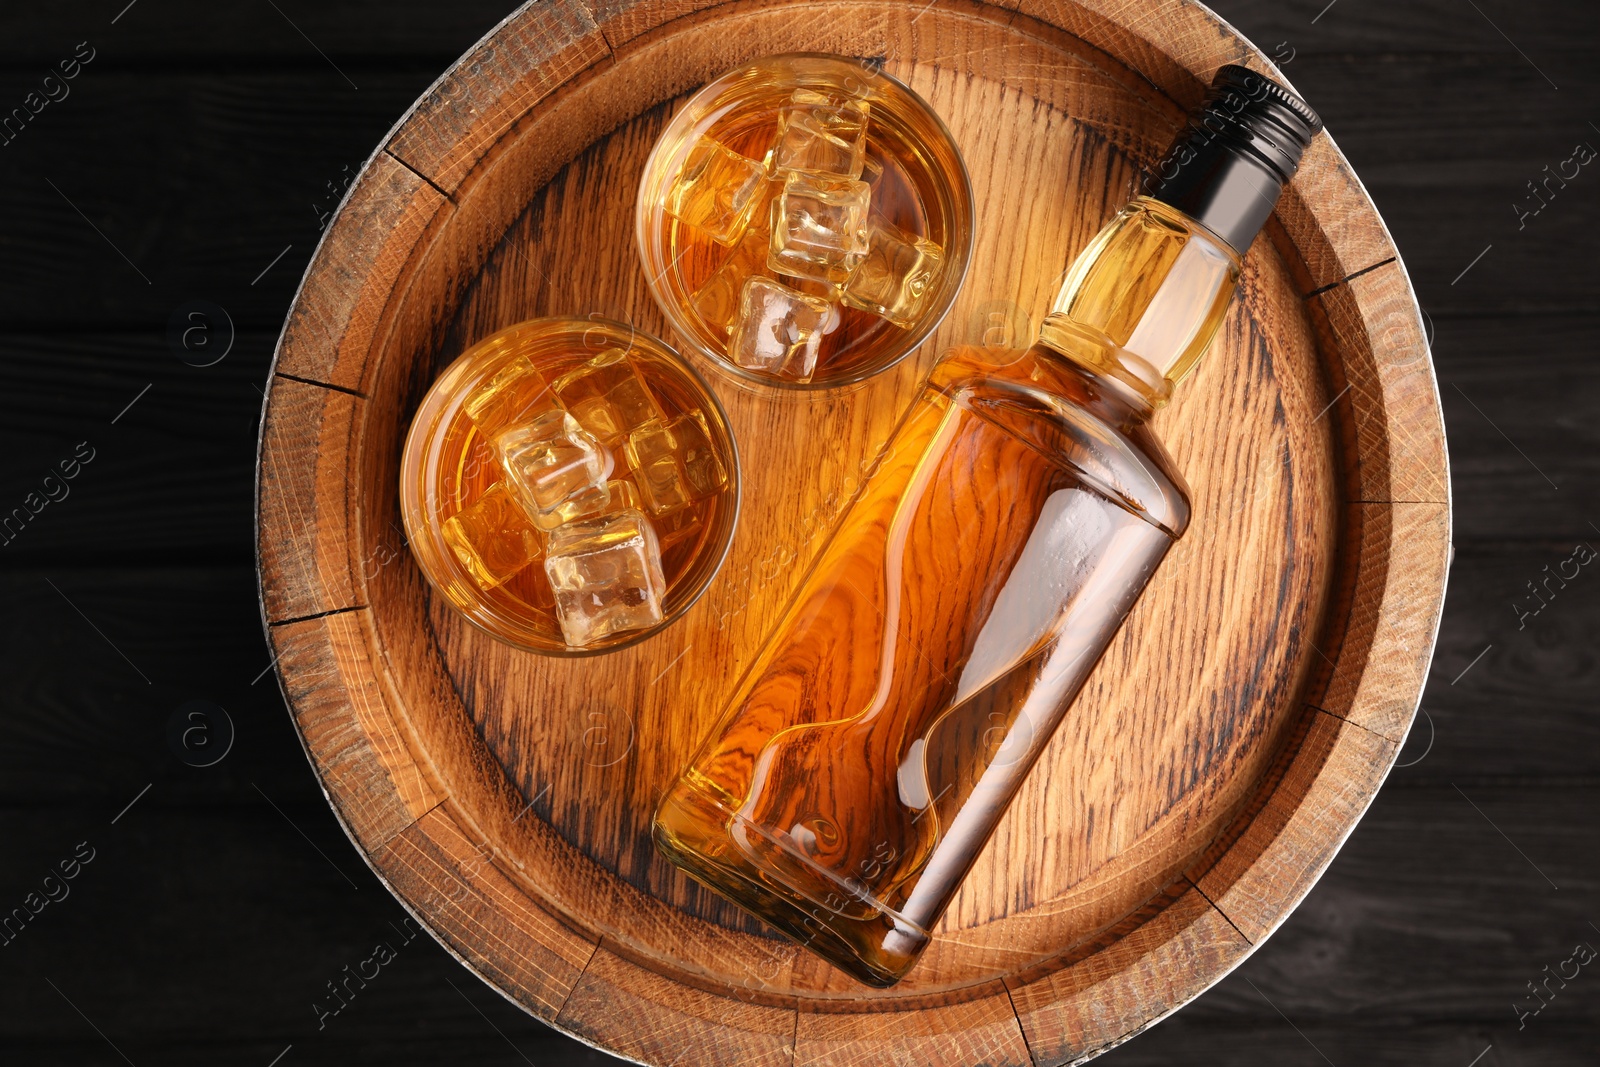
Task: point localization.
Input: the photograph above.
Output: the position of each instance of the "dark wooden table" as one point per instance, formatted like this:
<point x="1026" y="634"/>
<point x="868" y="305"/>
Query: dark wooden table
<point x="193" y="157"/>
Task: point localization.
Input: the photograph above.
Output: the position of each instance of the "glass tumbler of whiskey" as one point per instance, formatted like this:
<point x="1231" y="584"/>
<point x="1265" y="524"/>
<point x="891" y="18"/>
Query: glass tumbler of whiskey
<point x="805" y="220"/>
<point x="1011" y="522"/>
<point x="569" y="485"/>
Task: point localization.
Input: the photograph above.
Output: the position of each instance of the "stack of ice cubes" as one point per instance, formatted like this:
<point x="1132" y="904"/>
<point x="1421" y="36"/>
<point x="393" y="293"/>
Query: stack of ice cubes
<point x="564" y="498"/>
<point x="803" y="215"/>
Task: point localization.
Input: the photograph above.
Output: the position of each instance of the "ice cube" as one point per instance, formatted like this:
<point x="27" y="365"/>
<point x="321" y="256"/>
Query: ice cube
<point x="779" y="330"/>
<point x="871" y="171"/>
<point x="606" y="576"/>
<point x="824" y="291"/>
<point x="819" y="227"/>
<point x="555" y="468"/>
<point x="821" y="134"/>
<point x="515" y="392"/>
<point x="622" y="497"/>
<point x="493" y="539"/>
<point x="895" y="276"/>
<point x="675" y="463"/>
<point x="717" y="191"/>
<point x="607" y="396"/>
<point x="677" y="526"/>
<point x="717" y="301"/>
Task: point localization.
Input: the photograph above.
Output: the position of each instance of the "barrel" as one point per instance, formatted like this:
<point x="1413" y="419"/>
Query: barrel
<point x="1219" y="755"/>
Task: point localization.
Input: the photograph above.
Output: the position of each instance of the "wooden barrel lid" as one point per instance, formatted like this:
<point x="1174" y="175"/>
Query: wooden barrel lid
<point x="1221" y="752"/>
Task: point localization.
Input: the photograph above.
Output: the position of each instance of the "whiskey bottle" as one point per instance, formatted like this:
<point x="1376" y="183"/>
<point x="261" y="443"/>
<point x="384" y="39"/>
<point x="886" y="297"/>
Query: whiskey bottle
<point x="1008" y="527"/>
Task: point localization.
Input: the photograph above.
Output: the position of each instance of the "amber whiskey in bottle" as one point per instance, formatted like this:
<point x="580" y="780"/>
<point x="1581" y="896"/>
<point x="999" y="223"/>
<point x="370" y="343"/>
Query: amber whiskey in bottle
<point x="1011" y="522"/>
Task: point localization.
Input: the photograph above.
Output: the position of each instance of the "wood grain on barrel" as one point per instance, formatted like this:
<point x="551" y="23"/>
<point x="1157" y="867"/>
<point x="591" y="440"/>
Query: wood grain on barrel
<point x="331" y="328"/>
<point x="1309" y="812"/>
<point x="1227" y="743"/>
<point x="481" y="916"/>
<point x="378" y="787"/>
<point x="980" y="1028"/>
<point x="1105" y="998"/>
<point x="305" y="541"/>
<point x="668" y="1018"/>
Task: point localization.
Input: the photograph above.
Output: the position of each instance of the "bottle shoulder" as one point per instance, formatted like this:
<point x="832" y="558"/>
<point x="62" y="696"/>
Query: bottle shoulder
<point x="1074" y="419"/>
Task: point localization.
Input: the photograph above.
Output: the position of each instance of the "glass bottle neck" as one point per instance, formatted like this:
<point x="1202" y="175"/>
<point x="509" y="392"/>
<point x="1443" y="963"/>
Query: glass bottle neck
<point x="1142" y="302"/>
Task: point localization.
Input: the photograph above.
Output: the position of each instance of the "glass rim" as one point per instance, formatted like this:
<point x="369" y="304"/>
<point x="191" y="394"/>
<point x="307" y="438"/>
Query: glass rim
<point x="960" y="185"/>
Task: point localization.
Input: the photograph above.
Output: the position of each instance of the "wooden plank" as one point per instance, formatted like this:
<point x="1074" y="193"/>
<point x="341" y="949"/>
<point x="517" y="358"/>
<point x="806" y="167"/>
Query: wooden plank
<point x="1428" y="907"/>
<point x="1427" y="915"/>
<point x="1328" y="217"/>
<point x="1496" y="652"/>
<point x="672" y="1023"/>
<point x="1519" y="457"/>
<point x="361" y="755"/>
<point x="338" y="314"/>
<point x="483" y="96"/>
<point x="1365" y="1039"/>
<point x="1103" y="1000"/>
<point x="362" y="30"/>
<point x="1176" y="52"/>
<point x="191" y="31"/>
<point x="1295" y="835"/>
<point x="1449" y="176"/>
<point x="624" y="20"/>
<point x="80" y="721"/>
<point x="196" y="632"/>
<point x="1424" y="29"/>
<point x="172" y="476"/>
<point x="304" y="510"/>
<point x="453" y="881"/>
<point x="1388" y="394"/>
<point x="266" y="156"/>
<point x="978" y="1026"/>
<point x="292" y="923"/>
<point x="1384" y="650"/>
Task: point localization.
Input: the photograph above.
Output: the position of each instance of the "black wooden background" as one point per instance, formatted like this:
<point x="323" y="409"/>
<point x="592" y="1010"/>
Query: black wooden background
<point x="194" y="157"/>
